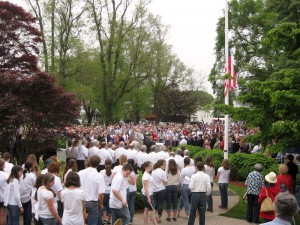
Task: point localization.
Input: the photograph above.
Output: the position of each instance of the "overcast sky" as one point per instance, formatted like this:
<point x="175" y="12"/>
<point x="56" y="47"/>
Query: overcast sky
<point x="192" y="29"/>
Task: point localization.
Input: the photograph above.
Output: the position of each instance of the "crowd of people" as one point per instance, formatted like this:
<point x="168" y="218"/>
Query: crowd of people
<point x="99" y="182"/>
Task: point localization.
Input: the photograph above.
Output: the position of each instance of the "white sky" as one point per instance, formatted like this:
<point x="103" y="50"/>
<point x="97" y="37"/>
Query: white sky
<point x="192" y="30"/>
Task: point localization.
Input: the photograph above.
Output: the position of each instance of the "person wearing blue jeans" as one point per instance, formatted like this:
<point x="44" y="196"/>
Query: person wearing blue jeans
<point x="92" y="208"/>
<point x="200" y="187"/>
<point x="223" y="179"/>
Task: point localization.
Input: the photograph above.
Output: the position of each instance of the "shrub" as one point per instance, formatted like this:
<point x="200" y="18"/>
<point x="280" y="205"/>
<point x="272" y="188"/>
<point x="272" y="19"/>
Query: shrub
<point x="217" y="156"/>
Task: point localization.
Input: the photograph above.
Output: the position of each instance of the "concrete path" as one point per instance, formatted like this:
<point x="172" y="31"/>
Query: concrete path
<point x="212" y="218"/>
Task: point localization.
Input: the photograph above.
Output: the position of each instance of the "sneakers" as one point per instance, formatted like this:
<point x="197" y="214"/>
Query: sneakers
<point x="168" y="219"/>
<point x="174" y="219"/>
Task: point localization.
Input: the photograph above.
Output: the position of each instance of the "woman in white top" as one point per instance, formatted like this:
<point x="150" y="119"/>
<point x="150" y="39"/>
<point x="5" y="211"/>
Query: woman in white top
<point x="26" y="184"/>
<point x="159" y="190"/>
<point x="185" y="177"/>
<point x="132" y="188"/>
<point x="71" y="166"/>
<point x="73" y="199"/>
<point x="107" y="175"/>
<point x="47" y="206"/>
<point x="147" y="192"/>
<point x="223" y="179"/>
<point x="38" y="183"/>
<point x="12" y="196"/>
<point x="173" y="175"/>
<point x="210" y="171"/>
<point x="3" y="185"/>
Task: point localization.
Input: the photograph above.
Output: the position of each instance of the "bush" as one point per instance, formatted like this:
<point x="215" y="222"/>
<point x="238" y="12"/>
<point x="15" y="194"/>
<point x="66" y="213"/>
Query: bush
<point x="139" y="204"/>
<point x="217" y="156"/>
<point x="241" y="164"/>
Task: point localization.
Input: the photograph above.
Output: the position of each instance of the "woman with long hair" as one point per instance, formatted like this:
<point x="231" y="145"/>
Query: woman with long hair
<point x="12" y="198"/>
<point x="132" y="184"/>
<point x="173" y="175"/>
<point x="185" y="177"/>
<point x="35" y="166"/>
<point x="210" y="171"/>
<point x="47" y="210"/>
<point x="147" y="192"/>
<point x="26" y="184"/>
<point x="159" y="190"/>
<point x="223" y="180"/>
<point x="71" y="166"/>
<point x="73" y="199"/>
<point x="3" y="186"/>
<point x="34" y="201"/>
<point x="107" y="175"/>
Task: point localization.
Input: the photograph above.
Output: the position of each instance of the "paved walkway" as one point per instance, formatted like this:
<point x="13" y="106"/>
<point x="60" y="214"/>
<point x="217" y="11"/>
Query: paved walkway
<point x="213" y="218"/>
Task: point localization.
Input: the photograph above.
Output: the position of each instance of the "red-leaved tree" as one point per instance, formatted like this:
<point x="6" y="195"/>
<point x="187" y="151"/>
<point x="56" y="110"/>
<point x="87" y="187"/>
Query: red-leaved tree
<point x="33" y="109"/>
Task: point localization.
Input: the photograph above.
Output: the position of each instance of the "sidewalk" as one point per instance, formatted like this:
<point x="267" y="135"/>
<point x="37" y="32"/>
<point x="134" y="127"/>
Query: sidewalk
<point x="212" y="218"/>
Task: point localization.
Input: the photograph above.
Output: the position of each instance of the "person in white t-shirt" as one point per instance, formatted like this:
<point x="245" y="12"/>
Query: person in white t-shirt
<point x="185" y="177"/>
<point x="223" y="180"/>
<point x="141" y="156"/>
<point x="132" y="184"/>
<point x="107" y="175"/>
<point x="209" y="169"/>
<point x="118" y="195"/>
<point x="73" y="199"/>
<point x="159" y="190"/>
<point x="12" y="198"/>
<point x="47" y="206"/>
<point x="147" y="192"/>
<point x="8" y="166"/>
<point x="3" y="186"/>
<point x="93" y="185"/>
<point x="26" y="184"/>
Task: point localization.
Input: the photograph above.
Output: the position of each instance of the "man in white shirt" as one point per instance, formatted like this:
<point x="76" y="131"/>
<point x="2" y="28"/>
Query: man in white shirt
<point x="141" y="156"/>
<point x="104" y="155"/>
<point x="186" y="153"/>
<point x="92" y="183"/>
<point x="94" y="149"/>
<point x="120" y="151"/>
<point x="83" y="153"/>
<point x="111" y="151"/>
<point x="200" y="188"/>
<point x="179" y="159"/>
<point x="118" y="194"/>
<point x="7" y="165"/>
<point x="131" y="153"/>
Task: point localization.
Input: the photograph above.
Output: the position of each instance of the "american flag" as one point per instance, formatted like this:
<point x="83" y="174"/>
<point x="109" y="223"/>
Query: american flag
<point x="230" y="84"/>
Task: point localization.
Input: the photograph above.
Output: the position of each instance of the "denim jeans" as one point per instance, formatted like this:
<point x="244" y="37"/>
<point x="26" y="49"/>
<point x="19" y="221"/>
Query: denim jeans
<point x="198" y="202"/>
<point x="106" y="208"/>
<point x="159" y="198"/>
<point x="132" y="196"/>
<point x="13" y="215"/>
<point x="27" y="215"/>
<point x="210" y="200"/>
<point x="60" y="208"/>
<point x="92" y="208"/>
<point x="122" y="213"/>
<point x="47" y="221"/>
<point x="184" y="198"/>
<point x="172" y="193"/>
<point x="253" y="208"/>
<point x="224" y="195"/>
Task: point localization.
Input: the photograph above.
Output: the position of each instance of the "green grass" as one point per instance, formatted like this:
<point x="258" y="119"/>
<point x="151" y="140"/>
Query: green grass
<point x="238" y="211"/>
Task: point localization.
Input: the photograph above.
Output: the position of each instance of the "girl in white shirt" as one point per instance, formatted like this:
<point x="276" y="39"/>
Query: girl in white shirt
<point x="12" y="196"/>
<point x="47" y="210"/>
<point x="71" y="166"/>
<point x="159" y="190"/>
<point x="26" y="184"/>
<point x="3" y="186"/>
<point x="38" y="183"/>
<point x="147" y="192"/>
<point x="209" y="169"/>
<point x="73" y="199"/>
<point x="223" y="179"/>
<point x="107" y="175"/>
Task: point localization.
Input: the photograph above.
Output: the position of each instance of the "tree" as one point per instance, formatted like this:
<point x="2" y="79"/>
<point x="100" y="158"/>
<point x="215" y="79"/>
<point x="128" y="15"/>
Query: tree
<point x="270" y="63"/>
<point x="33" y="109"/>
<point x="17" y="53"/>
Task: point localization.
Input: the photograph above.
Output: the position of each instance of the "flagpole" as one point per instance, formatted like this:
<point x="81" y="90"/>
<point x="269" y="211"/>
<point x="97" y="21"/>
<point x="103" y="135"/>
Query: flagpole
<point x="227" y="95"/>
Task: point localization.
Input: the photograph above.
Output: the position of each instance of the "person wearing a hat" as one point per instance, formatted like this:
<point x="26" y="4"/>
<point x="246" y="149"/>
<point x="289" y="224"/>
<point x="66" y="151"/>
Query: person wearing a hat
<point x="254" y="183"/>
<point x="271" y="190"/>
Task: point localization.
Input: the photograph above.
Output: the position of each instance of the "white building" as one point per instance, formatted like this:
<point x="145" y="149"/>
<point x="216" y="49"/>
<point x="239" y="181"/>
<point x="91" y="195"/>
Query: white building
<point x="203" y="115"/>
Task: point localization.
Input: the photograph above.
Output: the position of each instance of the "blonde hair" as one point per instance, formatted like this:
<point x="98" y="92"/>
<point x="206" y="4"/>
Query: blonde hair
<point x="283" y="169"/>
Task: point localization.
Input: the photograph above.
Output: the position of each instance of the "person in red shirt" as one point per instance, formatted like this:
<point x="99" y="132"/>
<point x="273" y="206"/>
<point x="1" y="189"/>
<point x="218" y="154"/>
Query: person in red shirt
<point x="285" y="178"/>
<point x="270" y="189"/>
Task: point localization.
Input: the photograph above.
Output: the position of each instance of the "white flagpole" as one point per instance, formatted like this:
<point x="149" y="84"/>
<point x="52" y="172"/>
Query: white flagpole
<point x="227" y="96"/>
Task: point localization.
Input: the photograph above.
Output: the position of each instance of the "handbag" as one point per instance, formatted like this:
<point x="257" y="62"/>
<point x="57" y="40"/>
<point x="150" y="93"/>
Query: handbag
<point x="267" y="204"/>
